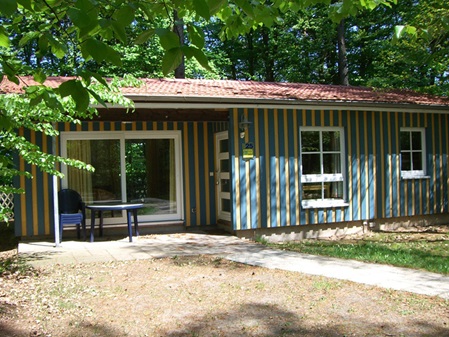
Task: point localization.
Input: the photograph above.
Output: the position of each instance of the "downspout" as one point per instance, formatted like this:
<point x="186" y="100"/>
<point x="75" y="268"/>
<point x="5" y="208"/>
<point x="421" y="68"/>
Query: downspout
<point x="55" y="197"/>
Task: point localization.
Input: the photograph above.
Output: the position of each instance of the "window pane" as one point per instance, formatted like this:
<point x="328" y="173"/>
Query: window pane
<point x="224" y="165"/>
<point x="417" y="161"/>
<point x="224" y="145"/>
<point x="226" y="205"/>
<point x="331" y="141"/>
<point x="406" y="164"/>
<point x="405" y="140"/>
<point x="312" y="191"/>
<point x="103" y="184"/>
<point x="333" y="190"/>
<point x="331" y="163"/>
<point x="416" y="141"/>
<point x="225" y="185"/>
<point x="311" y="164"/>
<point x="150" y="174"/>
<point x="310" y="141"/>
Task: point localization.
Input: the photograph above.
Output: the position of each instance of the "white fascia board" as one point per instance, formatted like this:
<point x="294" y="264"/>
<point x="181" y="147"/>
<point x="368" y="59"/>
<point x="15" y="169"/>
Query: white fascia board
<point x="200" y="102"/>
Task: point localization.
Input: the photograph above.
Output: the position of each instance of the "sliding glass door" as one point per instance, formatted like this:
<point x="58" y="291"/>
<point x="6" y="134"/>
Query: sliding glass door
<point x="142" y="167"/>
<point x="151" y="174"/>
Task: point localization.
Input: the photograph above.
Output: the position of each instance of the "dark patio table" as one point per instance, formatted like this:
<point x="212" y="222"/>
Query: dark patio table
<point x="100" y="208"/>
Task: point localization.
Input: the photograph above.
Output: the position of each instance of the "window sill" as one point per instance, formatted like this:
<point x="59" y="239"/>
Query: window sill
<point x="311" y="204"/>
<point x="414" y="177"/>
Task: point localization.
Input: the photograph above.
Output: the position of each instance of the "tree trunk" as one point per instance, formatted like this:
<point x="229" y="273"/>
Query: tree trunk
<point x="178" y="29"/>
<point x="251" y="56"/>
<point x="342" y="57"/>
<point x="268" y="56"/>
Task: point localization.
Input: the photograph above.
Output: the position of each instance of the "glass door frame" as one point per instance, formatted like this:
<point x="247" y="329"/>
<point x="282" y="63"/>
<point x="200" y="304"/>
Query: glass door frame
<point x="122" y="136"/>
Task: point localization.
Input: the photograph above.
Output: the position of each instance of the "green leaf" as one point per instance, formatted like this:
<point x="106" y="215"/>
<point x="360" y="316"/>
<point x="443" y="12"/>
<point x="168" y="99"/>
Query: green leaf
<point x="8" y="7"/>
<point x="51" y="100"/>
<point x="246" y="7"/>
<point x="81" y="96"/>
<point x="398" y="31"/>
<point x="113" y="56"/>
<point x="265" y="16"/>
<point x="4" y="39"/>
<point x="100" y="52"/>
<point x="171" y="60"/>
<point x="143" y="37"/>
<point x="87" y="76"/>
<point x="27" y="37"/>
<point x="39" y="76"/>
<point x="43" y="44"/>
<point x="100" y="79"/>
<point x="96" y="49"/>
<point x="196" y="36"/>
<point x="190" y="52"/>
<point x="169" y="40"/>
<point x="202" y="8"/>
<point x="78" y="17"/>
<point x="119" y="31"/>
<point x="59" y="49"/>
<point x="124" y="15"/>
<point x="5" y="122"/>
<point x="97" y="97"/>
<point x="66" y="88"/>
<point x="84" y="16"/>
<point x="215" y="5"/>
<point x="26" y="4"/>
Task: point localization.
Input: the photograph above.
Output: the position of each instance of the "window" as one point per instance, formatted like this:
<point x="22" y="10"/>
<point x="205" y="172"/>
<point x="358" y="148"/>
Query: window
<point x="412" y="153"/>
<point x="322" y="167"/>
<point x="142" y="167"/>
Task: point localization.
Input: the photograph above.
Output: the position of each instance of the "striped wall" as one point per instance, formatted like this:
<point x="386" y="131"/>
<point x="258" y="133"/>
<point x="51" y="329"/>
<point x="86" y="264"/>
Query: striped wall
<point x="267" y="188"/>
<point x="34" y="209"/>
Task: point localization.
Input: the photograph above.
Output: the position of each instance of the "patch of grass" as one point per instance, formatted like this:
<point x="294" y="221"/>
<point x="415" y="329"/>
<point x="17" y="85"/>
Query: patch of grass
<point x="424" y="254"/>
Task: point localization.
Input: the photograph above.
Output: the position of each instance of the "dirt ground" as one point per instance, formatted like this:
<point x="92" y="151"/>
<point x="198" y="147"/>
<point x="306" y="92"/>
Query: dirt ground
<point x="206" y="296"/>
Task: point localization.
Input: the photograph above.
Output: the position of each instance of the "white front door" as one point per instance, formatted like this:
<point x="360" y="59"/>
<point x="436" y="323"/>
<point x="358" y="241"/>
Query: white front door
<point x="222" y="177"/>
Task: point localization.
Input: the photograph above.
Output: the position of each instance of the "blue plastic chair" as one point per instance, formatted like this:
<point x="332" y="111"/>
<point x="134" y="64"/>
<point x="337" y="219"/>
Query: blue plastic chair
<point x="71" y="211"/>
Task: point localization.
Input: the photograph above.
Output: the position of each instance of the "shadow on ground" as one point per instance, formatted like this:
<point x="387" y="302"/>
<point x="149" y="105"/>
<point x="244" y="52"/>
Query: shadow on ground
<point x="262" y="320"/>
<point x="8" y="240"/>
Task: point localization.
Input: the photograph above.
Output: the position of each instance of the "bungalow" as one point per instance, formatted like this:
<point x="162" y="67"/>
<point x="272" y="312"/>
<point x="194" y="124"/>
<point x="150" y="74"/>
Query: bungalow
<point x="280" y="160"/>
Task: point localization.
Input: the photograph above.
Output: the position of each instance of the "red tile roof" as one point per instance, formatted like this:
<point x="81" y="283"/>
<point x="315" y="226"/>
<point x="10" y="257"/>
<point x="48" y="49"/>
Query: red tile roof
<point x="250" y="90"/>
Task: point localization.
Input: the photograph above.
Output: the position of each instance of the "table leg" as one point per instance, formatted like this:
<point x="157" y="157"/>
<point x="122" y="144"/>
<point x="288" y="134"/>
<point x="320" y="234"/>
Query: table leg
<point x="101" y="223"/>
<point x="130" y="230"/>
<point x="84" y="227"/>
<point x="136" y="223"/>
<point x="92" y="225"/>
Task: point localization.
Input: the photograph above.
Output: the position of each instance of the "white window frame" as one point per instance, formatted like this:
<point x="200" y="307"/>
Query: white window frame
<point x="414" y="174"/>
<point x="122" y="136"/>
<point x="320" y="178"/>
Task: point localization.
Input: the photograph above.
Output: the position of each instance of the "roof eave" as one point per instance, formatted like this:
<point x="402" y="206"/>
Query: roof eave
<point x="186" y="102"/>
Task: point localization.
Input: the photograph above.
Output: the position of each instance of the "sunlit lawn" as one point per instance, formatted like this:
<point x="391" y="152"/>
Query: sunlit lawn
<point x="412" y="250"/>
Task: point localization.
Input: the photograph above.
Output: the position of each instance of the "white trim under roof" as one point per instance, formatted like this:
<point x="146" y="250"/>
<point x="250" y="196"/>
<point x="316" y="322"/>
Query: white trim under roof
<point x="199" y="102"/>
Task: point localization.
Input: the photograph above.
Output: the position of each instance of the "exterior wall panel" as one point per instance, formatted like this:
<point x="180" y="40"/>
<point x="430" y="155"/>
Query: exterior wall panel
<point x="266" y="190"/>
<point x="375" y="189"/>
<point x="34" y="209"/>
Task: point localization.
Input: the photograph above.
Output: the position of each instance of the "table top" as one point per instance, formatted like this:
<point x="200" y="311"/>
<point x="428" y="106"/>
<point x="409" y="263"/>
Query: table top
<point x="113" y="207"/>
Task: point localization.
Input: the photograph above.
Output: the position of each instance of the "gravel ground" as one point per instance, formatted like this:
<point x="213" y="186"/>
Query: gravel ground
<point x="206" y="296"/>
